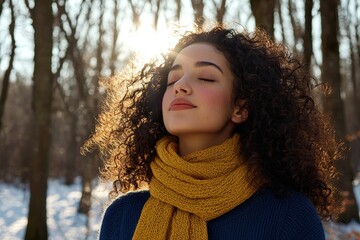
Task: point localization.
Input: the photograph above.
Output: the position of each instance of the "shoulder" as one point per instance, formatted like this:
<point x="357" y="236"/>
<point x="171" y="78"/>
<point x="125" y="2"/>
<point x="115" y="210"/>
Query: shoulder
<point x="121" y="216"/>
<point x="297" y="216"/>
<point x="293" y="203"/>
<point x="301" y="219"/>
<point x="268" y="216"/>
<point x="128" y="200"/>
<point x="294" y="213"/>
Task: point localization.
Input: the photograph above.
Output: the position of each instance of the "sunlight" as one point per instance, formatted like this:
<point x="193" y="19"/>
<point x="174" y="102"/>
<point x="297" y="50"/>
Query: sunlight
<point x="147" y="44"/>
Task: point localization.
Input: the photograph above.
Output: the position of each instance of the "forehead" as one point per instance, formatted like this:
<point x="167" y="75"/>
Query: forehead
<point x="200" y="52"/>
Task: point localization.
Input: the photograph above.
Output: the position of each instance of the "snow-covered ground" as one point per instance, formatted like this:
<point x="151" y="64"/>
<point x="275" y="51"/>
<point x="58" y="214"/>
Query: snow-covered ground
<point x="65" y="223"/>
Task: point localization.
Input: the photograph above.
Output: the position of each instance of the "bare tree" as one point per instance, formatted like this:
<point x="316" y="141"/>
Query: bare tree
<point x="178" y="10"/>
<point x="347" y="27"/>
<point x="198" y="6"/>
<point x="88" y="99"/>
<point x="6" y="79"/>
<point x="333" y="103"/>
<point x="308" y="46"/>
<point x="296" y="27"/>
<point x="281" y="21"/>
<point x="1" y="6"/>
<point x="87" y="173"/>
<point x="357" y="28"/>
<point x="75" y="55"/>
<point x="17" y="133"/>
<point x="136" y="10"/>
<point x="357" y="37"/>
<point x="115" y="30"/>
<point x="42" y="17"/>
<point x="348" y="23"/>
<point x="220" y="11"/>
<point x="263" y="11"/>
<point x="156" y="12"/>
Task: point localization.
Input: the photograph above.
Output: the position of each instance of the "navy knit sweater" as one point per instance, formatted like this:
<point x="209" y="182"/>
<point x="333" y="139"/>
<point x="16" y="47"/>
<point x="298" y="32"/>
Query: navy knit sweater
<point x="263" y="216"/>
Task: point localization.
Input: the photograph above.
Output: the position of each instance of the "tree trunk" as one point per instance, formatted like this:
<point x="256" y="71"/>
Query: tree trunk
<point x="115" y="31"/>
<point x="281" y="21"/>
<point x="357" y="37"/>
<point x="87" y="176"/>
<point x="88" y="170"/>
<point x="1" y="6"/>
<point x="220" y="11"/>
<point x="333" y="103"/>
<point x="157" y="14"/>
<point x="353" y="117"/>
<point x="6" y="79"/>
<point x="297" y="31"/>
<point x="198" y="6"/>
<point x="42" y="17"/>
<point x="136" y="12"/>
<point x="308" y="46"/>
<point x="178" y="10"/>
<point x="263" y="11"/>
<point x="73" y="148"/>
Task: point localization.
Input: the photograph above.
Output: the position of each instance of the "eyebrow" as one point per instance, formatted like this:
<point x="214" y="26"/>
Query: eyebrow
<point x="198" y="64"/>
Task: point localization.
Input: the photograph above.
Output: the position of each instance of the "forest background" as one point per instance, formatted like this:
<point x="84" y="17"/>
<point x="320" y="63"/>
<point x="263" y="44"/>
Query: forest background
<point x="53" y="54"/>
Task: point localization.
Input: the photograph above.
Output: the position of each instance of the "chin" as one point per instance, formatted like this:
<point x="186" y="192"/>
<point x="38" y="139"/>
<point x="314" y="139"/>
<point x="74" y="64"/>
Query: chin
<point x="176" y="132"/>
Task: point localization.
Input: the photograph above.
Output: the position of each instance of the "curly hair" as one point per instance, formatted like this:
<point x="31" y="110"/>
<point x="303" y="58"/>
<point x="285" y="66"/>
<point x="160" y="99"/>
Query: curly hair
<point x="286" y="137"/>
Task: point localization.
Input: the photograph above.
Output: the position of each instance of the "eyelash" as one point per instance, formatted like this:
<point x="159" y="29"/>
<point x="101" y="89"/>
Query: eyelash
<point x="206" y="79"/>
<point x="202" y="79"/>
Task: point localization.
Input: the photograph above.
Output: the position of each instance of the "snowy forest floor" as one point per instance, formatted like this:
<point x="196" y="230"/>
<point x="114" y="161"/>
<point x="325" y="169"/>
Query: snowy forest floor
<point x="64" y="222"/>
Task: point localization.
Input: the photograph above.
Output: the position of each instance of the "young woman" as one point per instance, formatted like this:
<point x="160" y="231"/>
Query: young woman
<point x="225" y="138"/>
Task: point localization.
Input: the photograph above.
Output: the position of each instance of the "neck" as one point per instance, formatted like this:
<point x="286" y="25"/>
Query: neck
<point x="196" y="142"/>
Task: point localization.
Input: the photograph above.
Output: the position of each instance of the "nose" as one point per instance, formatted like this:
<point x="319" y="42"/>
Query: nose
<point x="182" y="86"/>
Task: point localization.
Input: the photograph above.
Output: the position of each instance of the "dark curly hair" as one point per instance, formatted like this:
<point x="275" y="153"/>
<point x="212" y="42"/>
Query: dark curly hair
<point x="286" y="138"/>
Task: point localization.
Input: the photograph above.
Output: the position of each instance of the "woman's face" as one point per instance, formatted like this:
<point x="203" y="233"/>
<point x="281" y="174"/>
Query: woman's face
<point x="198" y="103"/>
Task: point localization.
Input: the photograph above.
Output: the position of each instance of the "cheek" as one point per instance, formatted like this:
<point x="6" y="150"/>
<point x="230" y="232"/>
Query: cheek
<point x="216" y="99"/>
<point x="165" y="101"/>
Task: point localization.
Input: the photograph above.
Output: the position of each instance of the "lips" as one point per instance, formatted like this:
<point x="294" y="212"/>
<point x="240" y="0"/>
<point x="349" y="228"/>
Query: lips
<point x="180" y="104"/>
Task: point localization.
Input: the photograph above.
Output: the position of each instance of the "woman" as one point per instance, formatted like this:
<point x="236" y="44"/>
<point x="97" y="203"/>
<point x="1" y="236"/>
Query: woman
<point x="226" y="140"/>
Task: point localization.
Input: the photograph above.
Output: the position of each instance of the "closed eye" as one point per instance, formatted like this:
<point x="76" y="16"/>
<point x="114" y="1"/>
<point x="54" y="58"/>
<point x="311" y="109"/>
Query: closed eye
<point x="206" y="79"/>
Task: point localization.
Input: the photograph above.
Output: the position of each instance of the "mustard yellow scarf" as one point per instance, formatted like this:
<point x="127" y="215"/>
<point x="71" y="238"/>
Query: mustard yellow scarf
<point x="185" y="192"/>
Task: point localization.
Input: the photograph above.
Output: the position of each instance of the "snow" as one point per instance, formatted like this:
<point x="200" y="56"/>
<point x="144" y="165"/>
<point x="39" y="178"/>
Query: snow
<point x="64" y="222"/>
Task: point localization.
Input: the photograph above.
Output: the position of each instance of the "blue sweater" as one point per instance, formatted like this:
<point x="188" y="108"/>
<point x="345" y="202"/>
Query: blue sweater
<point x="263" y="216"/>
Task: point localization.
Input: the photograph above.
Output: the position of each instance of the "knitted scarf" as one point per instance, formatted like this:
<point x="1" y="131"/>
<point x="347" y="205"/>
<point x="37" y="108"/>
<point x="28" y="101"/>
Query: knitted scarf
<point x="185" y="192"/>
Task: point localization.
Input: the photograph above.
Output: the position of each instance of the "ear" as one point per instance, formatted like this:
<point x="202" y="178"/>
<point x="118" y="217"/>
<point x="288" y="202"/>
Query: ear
<point x="240" y="112"/>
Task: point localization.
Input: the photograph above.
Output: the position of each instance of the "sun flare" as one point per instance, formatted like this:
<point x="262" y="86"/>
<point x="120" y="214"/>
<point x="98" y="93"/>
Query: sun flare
<point x="147" y="43"/>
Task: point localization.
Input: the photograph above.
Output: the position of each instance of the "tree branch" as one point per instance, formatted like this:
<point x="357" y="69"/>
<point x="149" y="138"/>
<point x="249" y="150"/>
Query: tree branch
<point x="31" y="10"/>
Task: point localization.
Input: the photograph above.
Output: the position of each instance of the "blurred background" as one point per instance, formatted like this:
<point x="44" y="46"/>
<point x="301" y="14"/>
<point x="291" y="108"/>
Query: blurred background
<point x="53" y="53"/>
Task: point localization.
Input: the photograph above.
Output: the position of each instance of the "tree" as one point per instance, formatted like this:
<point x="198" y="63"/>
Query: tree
<point x="156" y="12"/>
<point x="333" y="104"/>
<point x="87" y="174"/>
<point x="263" y="11"/>
<point x="198" y="6"/>
<point x="308" y="47"/>
<point x="6" y="79"/>
<point x="115" y="29"/>
<point x="42" y="17"/>
<point x="178" y="10"/>
<point x="281" y="20"/>
<point x="136" y="10"/>
<point x="83" y="111"/>
<point x="220" y="11"/>
<point x="296" y="27"/>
